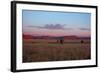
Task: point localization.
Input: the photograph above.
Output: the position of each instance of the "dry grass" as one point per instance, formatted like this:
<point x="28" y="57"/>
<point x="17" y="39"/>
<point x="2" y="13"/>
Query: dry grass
<point x="38" y="50"/>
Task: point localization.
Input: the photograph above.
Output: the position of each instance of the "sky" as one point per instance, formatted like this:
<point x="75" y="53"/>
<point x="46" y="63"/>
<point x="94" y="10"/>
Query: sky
<point x="52" y="23"/>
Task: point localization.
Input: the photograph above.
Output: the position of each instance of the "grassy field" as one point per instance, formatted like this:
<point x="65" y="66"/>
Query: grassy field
<point x="39" y="50"/>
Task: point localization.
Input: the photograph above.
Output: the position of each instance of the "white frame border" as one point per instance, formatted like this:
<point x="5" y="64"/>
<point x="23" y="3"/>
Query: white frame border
<point x="35" y="65"/>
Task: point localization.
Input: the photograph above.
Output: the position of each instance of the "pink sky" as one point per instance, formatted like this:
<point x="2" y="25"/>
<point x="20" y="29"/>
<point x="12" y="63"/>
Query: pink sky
<point x="55" y="32"/>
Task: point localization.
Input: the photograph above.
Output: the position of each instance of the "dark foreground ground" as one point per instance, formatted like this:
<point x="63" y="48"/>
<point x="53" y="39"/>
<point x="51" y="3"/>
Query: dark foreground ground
<point x="39" y="50"/>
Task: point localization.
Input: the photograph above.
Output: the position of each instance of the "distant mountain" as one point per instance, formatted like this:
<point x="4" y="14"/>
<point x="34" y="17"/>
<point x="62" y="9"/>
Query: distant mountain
<point x="53" y="37"/>
<point x="27" y="36"/>
<point x="71" y="37"/>
<point x="85" y="37"/>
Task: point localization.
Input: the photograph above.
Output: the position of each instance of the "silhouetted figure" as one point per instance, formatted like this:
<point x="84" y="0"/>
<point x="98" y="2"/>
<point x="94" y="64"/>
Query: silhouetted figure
<point x="57" y="41"/>
<point x="82" y="41"/>
<point x="61" y="41"/>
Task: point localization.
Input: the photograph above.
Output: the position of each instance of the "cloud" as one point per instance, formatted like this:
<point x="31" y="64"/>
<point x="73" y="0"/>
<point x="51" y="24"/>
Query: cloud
<point x="84" y="29"/>
<point x="57" y="27"/>
<point x="52" y="26"/>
